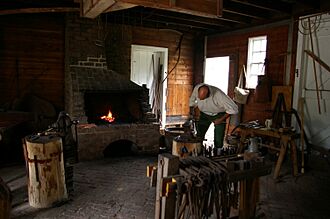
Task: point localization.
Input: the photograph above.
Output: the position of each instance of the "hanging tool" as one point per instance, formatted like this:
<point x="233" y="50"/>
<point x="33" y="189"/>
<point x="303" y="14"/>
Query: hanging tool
<point x="314" y="67"/>
<point x="320" y="61"/>
<point x="301" y="106"/>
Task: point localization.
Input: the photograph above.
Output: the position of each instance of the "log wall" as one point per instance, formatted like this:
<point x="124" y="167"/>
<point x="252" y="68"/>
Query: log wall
<point x="32" y="57"/>
<point x="180" y="79"/>
<point x="235" y="45"/>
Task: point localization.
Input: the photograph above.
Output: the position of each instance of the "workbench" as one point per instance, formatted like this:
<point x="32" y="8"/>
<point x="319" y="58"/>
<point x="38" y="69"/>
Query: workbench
<point x="286" y="137"/>
<point x="203" y="187"/>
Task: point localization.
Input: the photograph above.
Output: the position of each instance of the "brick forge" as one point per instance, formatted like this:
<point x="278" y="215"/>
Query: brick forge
<point x="92" y="76"/>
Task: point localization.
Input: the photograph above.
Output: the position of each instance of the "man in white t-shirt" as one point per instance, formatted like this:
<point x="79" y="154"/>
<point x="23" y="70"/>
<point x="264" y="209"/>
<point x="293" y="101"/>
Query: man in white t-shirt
<point x="215" y="106"/>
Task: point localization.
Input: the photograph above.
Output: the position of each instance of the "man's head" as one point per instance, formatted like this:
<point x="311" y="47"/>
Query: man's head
<point x="203" y="92"/>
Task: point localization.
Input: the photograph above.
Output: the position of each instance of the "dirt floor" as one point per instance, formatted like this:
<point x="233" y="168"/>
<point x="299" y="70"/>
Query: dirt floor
<point x="119" y="188"/>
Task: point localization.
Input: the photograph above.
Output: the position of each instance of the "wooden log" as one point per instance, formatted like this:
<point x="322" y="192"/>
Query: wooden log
<point x="45" y="166"/>
<point x="5" y="200"/>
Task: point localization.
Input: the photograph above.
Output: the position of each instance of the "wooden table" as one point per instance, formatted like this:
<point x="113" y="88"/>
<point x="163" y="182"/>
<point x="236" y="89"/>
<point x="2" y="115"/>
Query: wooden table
<point x="286" y="138"/>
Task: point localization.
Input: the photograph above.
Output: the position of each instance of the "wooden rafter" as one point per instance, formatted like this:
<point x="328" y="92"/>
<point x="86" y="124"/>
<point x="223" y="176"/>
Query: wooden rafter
<point x="277" y="6"/>
<point x="210" y="9"/>
<point x="37" y="10"/>
<point x="93" y="8"/>
<point x="244" y="10"/>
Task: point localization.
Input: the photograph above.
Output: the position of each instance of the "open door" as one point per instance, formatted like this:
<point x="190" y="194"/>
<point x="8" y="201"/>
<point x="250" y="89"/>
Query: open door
<point x="312" y="82"/>
<point x="216" y="74"/>
<point x="149" y="66"/>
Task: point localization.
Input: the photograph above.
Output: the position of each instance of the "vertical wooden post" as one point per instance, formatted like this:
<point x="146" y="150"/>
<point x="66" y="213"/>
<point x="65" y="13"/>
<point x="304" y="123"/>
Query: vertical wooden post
<point x="293" y="147"/>
<point x="168" y="165"/>
<point x="241" y="142"/>
<point x="171" y="167"/>
<point x="158" y="186"/>
<point x="5" y="200"/>
<point x="301" y="106"/>
<point x="284" y="143"/>
<point x="249" y="195"/>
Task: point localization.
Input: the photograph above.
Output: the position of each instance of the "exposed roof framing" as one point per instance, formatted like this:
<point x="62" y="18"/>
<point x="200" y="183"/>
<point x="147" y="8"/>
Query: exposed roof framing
<point x="212" y="16"/>
<point x="274" y="6"/>
<point x="24" y="5"/>
<point x="245" y="10"/>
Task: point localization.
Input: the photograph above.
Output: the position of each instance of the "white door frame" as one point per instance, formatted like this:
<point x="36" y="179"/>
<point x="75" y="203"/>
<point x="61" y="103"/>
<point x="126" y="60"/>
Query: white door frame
<point x="164" y="73"/>
<point x="316" y="125"/>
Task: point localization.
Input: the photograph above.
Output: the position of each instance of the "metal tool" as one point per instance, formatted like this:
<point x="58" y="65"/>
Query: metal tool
<point x="190" y="128"/>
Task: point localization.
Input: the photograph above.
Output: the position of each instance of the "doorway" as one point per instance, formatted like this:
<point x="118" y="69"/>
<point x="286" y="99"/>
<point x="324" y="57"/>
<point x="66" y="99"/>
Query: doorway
<point x="216" y="74"/>
<point x="312" y="85"/>
<point x="149" y="67"/>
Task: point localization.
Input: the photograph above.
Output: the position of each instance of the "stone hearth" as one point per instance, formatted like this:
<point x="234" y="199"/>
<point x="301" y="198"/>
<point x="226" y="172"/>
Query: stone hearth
<point x="94" y="139"/>
<point x="92" y="76"/>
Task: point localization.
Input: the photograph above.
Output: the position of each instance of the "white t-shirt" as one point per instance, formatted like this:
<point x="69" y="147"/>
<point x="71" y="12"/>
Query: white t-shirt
<point x="217" y="101"/>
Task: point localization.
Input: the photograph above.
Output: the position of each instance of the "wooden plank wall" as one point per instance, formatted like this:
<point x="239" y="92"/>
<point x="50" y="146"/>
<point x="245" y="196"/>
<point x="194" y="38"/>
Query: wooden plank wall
<point x="236" y="46"/>
<point x="180" y="80"/>
<point x="32" y="57"/>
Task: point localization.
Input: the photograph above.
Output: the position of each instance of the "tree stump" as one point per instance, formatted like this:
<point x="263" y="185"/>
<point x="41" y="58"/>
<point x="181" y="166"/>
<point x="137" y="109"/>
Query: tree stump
<point x="46" y="175"/>
<point x="5" y="200"/>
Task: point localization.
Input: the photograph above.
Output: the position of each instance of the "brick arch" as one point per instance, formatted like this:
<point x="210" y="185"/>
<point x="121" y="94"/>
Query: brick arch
<point x="121" y="147"/>
<point x="92" y="139"/>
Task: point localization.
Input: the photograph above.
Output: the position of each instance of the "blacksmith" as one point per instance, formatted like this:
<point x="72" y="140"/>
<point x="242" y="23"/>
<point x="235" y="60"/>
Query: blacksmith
<point x="215" y="106"/>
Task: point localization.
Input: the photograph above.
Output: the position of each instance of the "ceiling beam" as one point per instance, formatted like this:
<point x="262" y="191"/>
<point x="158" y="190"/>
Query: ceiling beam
<point x="186" y="22"/>
<point x="234" y="18"/>
<point x="93" y="8"/>
<point x="184" y="17"/>
<point x="119" y="6"/>
<point x="210" y="9"/>
<point x="245" y="10"/>
<point x="277" y="6"/>
<point x="37" y="10"/>
<point x="150" y="22"/>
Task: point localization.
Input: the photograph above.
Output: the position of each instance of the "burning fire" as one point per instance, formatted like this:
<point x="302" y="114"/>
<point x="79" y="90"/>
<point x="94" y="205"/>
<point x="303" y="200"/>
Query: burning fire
<point x="108" y="117"/>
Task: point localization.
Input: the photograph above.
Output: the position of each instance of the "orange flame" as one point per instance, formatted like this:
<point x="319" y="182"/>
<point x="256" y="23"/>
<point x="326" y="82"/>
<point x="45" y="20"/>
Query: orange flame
<point x="108" y="117"/>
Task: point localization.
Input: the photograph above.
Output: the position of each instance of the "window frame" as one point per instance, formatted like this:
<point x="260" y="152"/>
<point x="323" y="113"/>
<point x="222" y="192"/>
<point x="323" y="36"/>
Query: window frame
<point x="252" y="76"/>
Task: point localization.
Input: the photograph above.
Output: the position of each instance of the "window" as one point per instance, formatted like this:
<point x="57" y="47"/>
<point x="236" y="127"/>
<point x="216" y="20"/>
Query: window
<point x="256" y="59"/>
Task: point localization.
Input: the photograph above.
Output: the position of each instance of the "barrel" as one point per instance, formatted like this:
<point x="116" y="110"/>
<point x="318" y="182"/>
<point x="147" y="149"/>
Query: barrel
<point x="46" y="176"/>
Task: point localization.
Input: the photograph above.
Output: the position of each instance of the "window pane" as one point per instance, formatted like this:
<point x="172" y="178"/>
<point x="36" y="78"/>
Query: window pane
<point x="256" y="45"/>
<point x="261" y="69"/>
<point x="254" y="69"/>
<point x="252" y="81"/>
<point x="264" y="45"/>
<point x="256" y="58"/>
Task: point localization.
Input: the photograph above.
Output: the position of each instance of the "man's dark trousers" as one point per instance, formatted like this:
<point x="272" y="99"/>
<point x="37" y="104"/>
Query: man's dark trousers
<point x="219" y="130"/>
